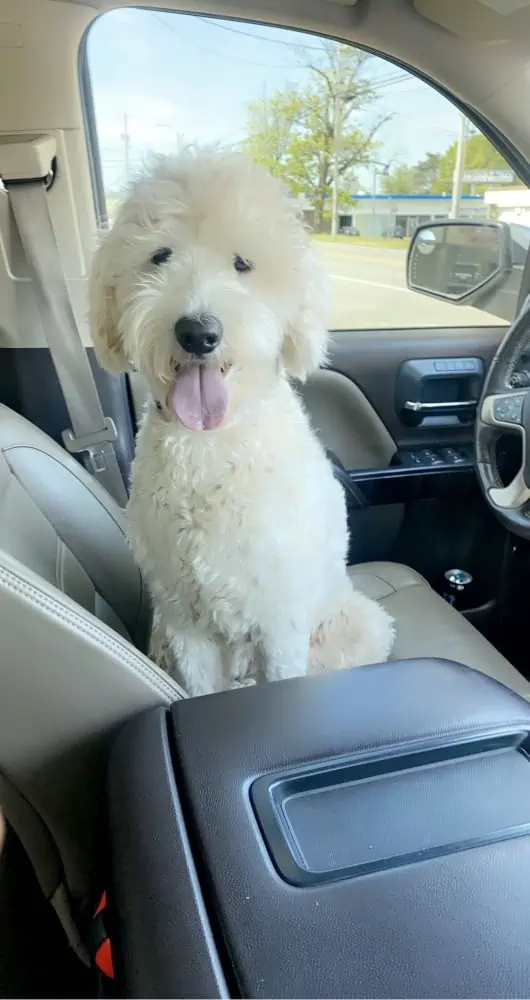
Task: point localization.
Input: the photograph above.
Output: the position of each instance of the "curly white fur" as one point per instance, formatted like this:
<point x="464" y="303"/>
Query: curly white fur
<point x="240" y="531"/>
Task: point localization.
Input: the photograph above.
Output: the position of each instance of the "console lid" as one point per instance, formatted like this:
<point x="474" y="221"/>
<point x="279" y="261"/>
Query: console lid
<point x="361" y="834"/>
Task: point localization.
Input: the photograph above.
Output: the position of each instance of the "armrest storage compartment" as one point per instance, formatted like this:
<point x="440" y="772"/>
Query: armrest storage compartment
<point x="361" y="834"/>
<point x="369" y="815"/>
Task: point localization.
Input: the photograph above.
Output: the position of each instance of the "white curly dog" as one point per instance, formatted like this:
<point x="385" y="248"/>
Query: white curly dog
<point x="207" y="284"/>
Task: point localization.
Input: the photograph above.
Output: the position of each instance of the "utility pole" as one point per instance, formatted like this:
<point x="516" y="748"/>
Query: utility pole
<point x="338" y="97"/>
<point x="459" y="167"/>
<point x="126" y="139"/>
<point x="374" y="196"/>
<point x="375" y="174"/>
<point x="336" y="144"/>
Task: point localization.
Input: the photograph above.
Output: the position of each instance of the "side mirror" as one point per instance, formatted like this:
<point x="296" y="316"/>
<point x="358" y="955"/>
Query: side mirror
<point x="459" y="261"/>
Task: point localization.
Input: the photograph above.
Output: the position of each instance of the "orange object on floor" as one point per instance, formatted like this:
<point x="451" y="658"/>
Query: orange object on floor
<point x="103" y="953"/>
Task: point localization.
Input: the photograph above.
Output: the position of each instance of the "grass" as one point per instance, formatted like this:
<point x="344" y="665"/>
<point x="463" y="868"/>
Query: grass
<point x="364" y="241"/>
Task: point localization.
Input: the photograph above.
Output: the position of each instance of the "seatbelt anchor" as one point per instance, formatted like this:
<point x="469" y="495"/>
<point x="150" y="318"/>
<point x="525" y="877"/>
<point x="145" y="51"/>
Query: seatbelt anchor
<point x="94" y="445"/>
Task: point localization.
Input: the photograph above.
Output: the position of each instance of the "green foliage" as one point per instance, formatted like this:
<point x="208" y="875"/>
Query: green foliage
<point x="401" y="180"/>
<point x="292" y="133"/>
<point x="434" y="174"/>
<point x="270" y="127"/>
<point x="418" y="179"/>
<point x="480" y="155"/>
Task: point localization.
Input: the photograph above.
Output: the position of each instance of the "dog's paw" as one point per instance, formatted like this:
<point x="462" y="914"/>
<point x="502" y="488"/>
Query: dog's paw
<point x="359" y="632"/>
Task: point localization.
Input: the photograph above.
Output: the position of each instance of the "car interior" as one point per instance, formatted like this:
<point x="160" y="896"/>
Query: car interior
<point x="218" y="830"/>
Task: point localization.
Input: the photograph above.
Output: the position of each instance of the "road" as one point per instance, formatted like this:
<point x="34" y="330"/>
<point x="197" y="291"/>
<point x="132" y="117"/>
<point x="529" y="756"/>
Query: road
<point x="370" y="292"/>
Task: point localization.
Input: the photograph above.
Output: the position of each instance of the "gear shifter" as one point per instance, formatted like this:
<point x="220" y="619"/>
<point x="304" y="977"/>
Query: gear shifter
<point x="456" y="587"/>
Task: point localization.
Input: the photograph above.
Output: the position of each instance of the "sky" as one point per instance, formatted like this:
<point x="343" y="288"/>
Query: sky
<point x="181" y="77"/>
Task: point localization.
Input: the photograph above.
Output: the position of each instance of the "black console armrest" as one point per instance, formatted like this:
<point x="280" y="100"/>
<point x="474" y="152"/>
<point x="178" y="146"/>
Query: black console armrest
<point x="164" y="940"/>
<point x="364" y="833"/>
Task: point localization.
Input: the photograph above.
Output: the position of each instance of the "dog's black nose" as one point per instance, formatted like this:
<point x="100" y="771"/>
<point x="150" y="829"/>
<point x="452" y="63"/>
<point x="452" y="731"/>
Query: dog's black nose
<point x="198" y="335"/>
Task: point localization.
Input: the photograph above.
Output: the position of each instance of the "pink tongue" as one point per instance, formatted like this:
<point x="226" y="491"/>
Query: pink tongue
<point x="199" y="398"/>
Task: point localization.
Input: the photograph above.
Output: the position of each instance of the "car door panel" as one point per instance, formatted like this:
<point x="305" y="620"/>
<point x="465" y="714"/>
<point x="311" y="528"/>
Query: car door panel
<point x="346" y="422"/>
<point x="428" y="521"/>
<point x="373" y="360"/>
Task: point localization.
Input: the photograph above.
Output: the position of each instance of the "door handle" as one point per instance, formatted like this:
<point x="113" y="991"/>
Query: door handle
<point x="441" y="409"/>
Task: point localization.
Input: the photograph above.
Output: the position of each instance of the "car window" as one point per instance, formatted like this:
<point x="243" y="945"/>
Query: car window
<point x="367" y="151"/>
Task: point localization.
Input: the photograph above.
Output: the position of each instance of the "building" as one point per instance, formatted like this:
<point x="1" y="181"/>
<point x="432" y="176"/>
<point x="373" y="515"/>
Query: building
<point x="510" y="204"/>
<point x="376" y="215"/>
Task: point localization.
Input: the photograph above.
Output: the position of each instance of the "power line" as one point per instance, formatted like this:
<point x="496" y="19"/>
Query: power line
<point x="412" y="90"/>
<point x="390" y="81"/>
<point x="263" y="38"/>
<point x="393" y="78"/>
<point x="222" y="55"/>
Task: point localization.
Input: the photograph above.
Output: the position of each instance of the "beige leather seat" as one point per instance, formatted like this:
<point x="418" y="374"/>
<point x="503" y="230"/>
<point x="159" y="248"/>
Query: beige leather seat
<point x="427" y="626"/>
<point x="71" y="604"/>
<point x="73" y="623"/>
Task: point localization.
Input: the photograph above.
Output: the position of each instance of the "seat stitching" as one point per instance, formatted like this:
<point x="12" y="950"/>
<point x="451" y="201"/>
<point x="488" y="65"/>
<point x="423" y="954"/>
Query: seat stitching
<point x="394" y="590"/>
<point x="58" y="563"/>
<point x="108" y="643"/>
<point x="382" y="580"/>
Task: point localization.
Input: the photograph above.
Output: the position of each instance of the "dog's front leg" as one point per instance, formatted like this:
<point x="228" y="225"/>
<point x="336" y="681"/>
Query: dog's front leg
<point x="286" y="653"/>
<point x="198" y="663"/>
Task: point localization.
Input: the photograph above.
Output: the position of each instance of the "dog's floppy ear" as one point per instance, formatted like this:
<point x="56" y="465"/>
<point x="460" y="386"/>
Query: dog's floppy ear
<point x="306" y="336"/>
<point x="103" y="315"/>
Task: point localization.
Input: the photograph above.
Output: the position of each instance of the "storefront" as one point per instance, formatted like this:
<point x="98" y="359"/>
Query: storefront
<point x="383" y="214"/>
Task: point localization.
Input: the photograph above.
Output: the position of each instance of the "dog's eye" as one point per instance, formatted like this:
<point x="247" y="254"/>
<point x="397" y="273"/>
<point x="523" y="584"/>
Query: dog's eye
<point x="241" y="265"/>
<point x="161" y="256"/>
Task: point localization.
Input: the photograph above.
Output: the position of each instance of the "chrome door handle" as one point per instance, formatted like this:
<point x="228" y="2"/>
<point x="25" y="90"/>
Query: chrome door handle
<point x="458" y="406"/>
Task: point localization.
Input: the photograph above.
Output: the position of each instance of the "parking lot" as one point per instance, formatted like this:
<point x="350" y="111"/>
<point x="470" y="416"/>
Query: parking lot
<point x="370" y="292"/>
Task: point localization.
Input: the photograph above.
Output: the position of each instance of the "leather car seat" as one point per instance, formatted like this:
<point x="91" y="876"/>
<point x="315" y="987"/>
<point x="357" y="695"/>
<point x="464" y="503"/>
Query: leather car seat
<point x="74" y="623"/>
<point x="427" y="626"/>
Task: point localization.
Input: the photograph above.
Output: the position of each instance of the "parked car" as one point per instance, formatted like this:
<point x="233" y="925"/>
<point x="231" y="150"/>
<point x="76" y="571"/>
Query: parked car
<point x="395" y="233"/>
<point x="349" y="231"/>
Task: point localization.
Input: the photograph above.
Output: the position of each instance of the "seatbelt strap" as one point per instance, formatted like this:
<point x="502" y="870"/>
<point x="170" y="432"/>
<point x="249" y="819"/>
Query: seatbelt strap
<point x="91" y="433"/>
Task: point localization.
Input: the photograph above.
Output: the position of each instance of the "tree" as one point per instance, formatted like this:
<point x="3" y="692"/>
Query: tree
<point x="479" y="155"/>
<point x="418" y="179"/>
<point x="297" y="133"/>
<point x="427" y="171"/>
<point x="269" y="132"/>
<point x="401" y="180"/>
<point x="434" y="174"/>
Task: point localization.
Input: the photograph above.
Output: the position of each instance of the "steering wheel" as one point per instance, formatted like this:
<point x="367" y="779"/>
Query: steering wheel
<point x="504" y="408"/>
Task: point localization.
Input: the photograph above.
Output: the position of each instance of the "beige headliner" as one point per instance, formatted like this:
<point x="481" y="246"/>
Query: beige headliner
<point x="487" y="64"/>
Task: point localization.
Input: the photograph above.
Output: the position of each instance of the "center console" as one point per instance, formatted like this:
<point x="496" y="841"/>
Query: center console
<point x="360" y="834"/>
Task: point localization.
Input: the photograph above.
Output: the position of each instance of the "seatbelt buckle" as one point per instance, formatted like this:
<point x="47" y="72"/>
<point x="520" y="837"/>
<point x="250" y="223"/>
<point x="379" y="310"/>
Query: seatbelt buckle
<point x="93" y="445"/>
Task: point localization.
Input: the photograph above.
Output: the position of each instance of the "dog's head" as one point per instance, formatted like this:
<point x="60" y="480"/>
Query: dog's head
<point x="208" y="284"/>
